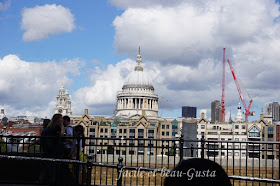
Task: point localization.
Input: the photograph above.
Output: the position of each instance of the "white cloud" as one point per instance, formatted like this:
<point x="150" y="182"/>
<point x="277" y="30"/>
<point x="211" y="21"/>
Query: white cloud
<point x="5" y="5"/>
<point x="41" y="22"/>
<point x="33" y="86"/>
<point x="100" y="96"/>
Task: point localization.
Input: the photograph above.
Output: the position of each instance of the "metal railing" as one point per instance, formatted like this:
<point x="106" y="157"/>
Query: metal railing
<point x="144" y="161"/>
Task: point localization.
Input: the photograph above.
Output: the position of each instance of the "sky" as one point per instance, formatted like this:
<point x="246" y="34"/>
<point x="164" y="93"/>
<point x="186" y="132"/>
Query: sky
<point x="91" y="47"/>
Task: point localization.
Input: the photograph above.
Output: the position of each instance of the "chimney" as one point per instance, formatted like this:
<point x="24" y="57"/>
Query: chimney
<point x="86" y="111"/>
<point x="202" y="115"/>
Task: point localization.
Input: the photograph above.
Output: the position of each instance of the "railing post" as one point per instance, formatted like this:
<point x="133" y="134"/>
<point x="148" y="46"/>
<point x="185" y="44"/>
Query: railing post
<point x="89" y="169"/>
<point x="202" y="147"/>
<point x="191" y="150"/>
<point x="78" y="146"/>
<point x="181" y="146"/>
<point x="119" y="168"/>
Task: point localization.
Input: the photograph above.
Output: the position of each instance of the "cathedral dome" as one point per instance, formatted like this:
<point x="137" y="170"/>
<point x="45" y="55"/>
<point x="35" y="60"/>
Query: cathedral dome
<point x="138" y="78"/>
<point x="137" y="96"/>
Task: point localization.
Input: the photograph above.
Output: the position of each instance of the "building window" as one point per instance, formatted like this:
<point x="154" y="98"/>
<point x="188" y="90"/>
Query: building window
<point x="243" y="126"/>
<point x="236" y="154"/>
<point x="124" y="130"/>
<point x="167" y="126"/>
<point x="236" y="146"/>
<point x="202" y="133"/>
<point x="222" y="139"/>
<point x="236" y="126"/>
<point x="174" y="124"/>
<point x="243" y="154"/>
<point x="229" y="147"/>
<point x="236" y="133"/>
<point x="270" y="135"/>
<point x="106" y="130"/>
<point x="167" y="133"/>
<point x="101" y="130"/>
<point x="229" y="139"/>
<point x="162" y="133"/>
<point x="202" y="126"/>
<point x="236" y="139"/>
<point x="163" y="126"/>
<point x="243" y="146"/>
<point x="229" y="153"/>
<point x="254" y="132"/>
<point x="120" y="130"/>
<point x="270" y="129"/>
<point x="92" y="129"/>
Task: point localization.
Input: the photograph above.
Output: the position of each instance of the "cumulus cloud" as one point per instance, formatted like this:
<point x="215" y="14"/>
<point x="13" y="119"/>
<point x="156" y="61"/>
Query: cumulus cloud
<point x="100" y="95"/>
<point x="191" y="31"/>
<point x="33" y="86"/>
<point x="41" y="22"/>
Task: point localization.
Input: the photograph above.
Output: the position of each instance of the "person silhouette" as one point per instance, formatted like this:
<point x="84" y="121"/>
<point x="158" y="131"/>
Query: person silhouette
<point x="194" y="172"/>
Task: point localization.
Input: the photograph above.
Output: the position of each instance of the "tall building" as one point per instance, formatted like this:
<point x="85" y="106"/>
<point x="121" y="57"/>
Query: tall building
<point x="189" y="112"/>
<point x="63" y="102"/>
<point x="273" y="109"/>
<point x="215" y="111"/>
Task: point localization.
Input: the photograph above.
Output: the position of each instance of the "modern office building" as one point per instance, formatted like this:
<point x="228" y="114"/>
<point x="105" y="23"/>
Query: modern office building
<point x="273" y="109"/>
<point x="189" y="112"/>
<point x="215" y="111"/>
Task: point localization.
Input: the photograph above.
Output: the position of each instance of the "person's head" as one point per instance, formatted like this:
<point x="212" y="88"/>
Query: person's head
<point x="66" y="120"/>
<point x="56" y="123"/>
<point x="45" y="123"/>
<point x="197" y="172"/>
<point x="78" y="129"/>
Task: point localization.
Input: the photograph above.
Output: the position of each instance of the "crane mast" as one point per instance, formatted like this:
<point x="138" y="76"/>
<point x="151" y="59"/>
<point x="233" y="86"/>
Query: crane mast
<point x="247" y="109"/>
<point x="223" y="90"/>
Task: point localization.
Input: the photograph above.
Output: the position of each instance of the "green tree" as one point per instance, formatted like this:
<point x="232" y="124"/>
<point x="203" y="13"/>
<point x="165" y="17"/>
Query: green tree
<point x="3" y="146"/>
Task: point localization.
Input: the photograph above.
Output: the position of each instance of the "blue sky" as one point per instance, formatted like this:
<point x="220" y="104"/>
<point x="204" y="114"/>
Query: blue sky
<point x="91" y="47"/>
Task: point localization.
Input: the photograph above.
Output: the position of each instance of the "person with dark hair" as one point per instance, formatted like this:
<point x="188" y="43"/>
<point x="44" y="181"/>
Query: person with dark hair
<point x="68" y="133"/>
<point x="45" y="123"/>
<point x="194" y="172"/>
<point x="52" y="146"/>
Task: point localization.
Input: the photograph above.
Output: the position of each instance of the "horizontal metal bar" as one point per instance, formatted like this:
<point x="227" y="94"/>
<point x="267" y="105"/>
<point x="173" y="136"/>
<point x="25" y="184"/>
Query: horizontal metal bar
<point x="247" y="178"/>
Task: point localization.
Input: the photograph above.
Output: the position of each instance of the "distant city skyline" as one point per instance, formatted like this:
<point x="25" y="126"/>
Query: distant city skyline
<point x="92" y="46"/>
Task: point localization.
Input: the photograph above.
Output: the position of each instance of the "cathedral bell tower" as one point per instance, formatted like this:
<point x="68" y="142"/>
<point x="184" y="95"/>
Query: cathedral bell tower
<point x="63" y="102"/>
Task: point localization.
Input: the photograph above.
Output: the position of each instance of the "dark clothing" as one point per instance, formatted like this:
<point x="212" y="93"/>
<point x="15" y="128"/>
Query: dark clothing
<point x="51" y="143"/>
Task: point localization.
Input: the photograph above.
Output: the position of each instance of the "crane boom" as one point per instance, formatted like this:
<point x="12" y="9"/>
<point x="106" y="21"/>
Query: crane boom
<point x="223" y="90"/>
<point x="247" y="109"/>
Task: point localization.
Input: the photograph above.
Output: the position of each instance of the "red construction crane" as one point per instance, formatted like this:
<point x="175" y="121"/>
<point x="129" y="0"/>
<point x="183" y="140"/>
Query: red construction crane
<point x="223" y="89"/>
<point x="247" y="109"/>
